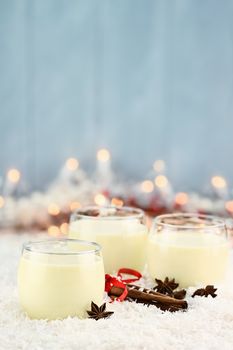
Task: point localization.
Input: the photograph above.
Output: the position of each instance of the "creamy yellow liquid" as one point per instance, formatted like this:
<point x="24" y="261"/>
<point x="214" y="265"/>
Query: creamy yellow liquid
<point x="57" y="286"/>
<point x="191" y="258"/>
<point x="123" y="242"/>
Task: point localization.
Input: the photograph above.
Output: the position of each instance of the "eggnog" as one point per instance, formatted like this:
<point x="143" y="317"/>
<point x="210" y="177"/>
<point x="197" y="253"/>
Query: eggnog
<point x="192" y="258"/>
<point x="122" y="238"/>
<point x="56" y="284"/>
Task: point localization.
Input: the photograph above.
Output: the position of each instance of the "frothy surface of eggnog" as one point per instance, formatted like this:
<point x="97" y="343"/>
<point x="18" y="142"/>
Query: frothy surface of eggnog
<point x="192" y="258"/>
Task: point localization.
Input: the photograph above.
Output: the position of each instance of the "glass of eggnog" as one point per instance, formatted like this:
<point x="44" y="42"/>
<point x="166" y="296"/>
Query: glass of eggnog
<point x="191" y="248"/>
<point x="121" y="232"/>
<point x="60" y="278"/>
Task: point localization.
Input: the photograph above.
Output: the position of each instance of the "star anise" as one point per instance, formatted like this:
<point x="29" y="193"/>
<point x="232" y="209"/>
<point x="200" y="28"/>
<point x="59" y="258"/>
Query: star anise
<point x="166" y="287"/>
<point x="98" y="312"/>
<point x="204" y="292"/>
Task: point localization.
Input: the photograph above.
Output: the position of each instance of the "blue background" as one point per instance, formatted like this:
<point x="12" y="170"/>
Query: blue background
<point x="147" y="79"/>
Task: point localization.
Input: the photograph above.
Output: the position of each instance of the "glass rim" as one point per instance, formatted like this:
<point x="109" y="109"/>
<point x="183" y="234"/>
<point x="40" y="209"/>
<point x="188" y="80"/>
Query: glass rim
<point x="134" y="213"/>
<point x="28" y="246"/>
<point x="214" y="221"/>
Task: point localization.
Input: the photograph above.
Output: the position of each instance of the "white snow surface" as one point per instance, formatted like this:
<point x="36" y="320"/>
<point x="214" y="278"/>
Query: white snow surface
<point x="208" y="323"/>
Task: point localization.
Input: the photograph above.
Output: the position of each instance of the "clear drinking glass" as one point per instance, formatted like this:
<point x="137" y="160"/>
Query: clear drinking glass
<point x="191" y="248"/>
<point x="60" y="278"/>
<point x="121" y="231"/>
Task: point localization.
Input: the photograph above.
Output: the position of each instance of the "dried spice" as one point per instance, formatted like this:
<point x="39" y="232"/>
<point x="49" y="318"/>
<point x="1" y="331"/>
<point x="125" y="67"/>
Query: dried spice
<point x="149" y="297"/>
<point x="166" y="287"/>
<point x="164" y="295"/>
<point x="180" y="294"/>
<point x="170" y="308"/>
<point x="98" y="312"/>
<point x="204" y="292"/>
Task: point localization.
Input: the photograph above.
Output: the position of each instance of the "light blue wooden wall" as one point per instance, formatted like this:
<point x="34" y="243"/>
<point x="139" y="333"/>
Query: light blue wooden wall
<point x="147" y="79"/>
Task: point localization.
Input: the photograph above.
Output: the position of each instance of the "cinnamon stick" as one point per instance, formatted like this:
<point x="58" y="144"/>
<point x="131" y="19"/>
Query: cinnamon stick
<point x="149" y="296"/>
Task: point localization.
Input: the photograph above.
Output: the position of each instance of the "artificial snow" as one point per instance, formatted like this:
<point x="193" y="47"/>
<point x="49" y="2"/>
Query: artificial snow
<point x="208" y="323"/>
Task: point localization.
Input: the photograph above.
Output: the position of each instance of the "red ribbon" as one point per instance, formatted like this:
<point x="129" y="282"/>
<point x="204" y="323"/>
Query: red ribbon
<point x="129" y="272"/>
<point x="119" y="282"/>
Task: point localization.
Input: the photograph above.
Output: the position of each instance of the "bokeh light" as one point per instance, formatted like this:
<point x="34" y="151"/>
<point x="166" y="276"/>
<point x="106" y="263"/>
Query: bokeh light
<point x="53" y="209"/>
<point x="159" y="165"/>
<point x="64" y="228"/>
<point x="103" y="155"/>
<point x="117" y="202"/>
<point x="229" y="206"/>
<point x="147" y="186"/>
<point x="161" y="181"/>
<point x="13" y="175"/>
<point x="75" y="205"/>
<point x="72" y="164"/>
<point x="218" y="182"/>
<point x="181" y="198"/>
<point x="53" y="231"/>
<point x="100" y="199"/>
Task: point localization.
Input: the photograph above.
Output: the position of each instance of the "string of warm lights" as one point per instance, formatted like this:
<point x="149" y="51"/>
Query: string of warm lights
<point x="73" y="189"/>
